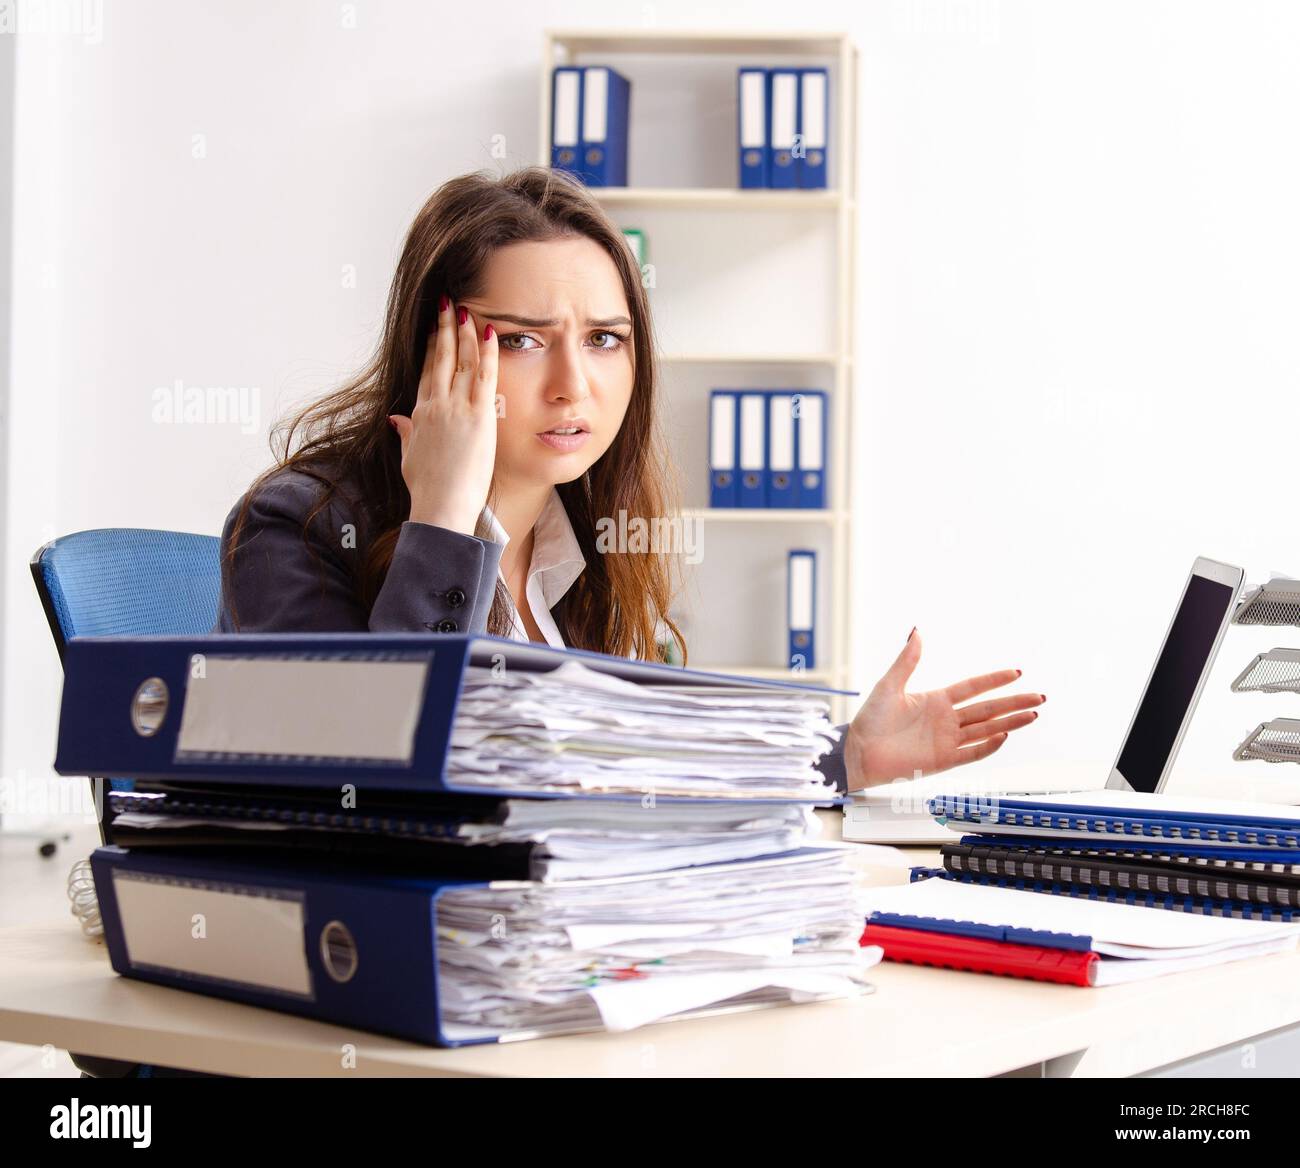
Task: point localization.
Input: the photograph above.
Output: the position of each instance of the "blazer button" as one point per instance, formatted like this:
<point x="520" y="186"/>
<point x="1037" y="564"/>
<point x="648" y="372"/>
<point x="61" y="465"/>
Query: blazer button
<point x="455" y="597"/>
<point x="445" y="626"/>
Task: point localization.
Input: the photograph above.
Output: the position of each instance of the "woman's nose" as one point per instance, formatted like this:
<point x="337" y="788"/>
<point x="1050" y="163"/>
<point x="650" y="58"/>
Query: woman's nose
<point x="566" y="378"/>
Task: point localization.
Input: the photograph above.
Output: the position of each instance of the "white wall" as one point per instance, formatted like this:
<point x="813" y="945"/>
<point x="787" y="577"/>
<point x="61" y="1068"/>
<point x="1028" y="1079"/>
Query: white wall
<point x="1078" y="247"/>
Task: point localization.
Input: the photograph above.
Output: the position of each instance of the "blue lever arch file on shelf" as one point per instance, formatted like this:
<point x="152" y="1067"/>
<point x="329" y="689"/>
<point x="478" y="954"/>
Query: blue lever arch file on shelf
<point x="751" y="127"/>
<point x="781" y="483"/>
<point x="751" y="448"/>
<point x="566" y="118"/>
<point x="605" y="106"/>
<point x="724" y="442"/>
<point x="810" y="442"/>
<point x="814" y="127"/>
<point x="801" y="604"/>
<point x="783" y="120"/>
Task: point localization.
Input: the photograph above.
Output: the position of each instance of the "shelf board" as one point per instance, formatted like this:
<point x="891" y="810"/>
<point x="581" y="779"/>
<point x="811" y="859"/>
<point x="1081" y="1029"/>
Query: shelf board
<point x="755" y="358"/>
<point x="717" y="43"/>
<point x="719" y="198"/>
<point x="758" y="514"/>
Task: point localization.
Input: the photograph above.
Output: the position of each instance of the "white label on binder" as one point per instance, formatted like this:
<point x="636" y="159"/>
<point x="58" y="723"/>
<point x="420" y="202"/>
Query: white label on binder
<point x="814" y="110"/>
<point x="810" y="432"/>
<point x="722" y="455"/>
<point x="781" y="421"/>
<point x="566" y="108"/>
<point x="801" y="592"/>
<point x="595" y="104"/>
<point x="783" y="110"/>
<point x="343" y="710"/>
<point x="248" y="937"/>
<point x="753" y="131"/>
<point x="752" y="454"/>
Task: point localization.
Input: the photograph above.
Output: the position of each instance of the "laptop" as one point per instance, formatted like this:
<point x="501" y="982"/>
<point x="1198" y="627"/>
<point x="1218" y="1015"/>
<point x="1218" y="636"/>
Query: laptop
<point x="896" y="813"/>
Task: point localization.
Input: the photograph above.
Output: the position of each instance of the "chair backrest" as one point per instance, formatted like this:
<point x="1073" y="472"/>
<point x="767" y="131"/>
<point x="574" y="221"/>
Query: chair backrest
<point x="129" y="582"/>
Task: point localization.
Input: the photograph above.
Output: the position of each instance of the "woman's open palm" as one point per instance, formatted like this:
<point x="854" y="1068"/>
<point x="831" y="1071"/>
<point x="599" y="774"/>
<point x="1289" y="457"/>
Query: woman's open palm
<point x="902" y="735"/>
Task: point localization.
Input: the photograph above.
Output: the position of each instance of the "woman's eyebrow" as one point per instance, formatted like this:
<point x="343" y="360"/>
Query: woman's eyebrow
<point x="537" y="322"/>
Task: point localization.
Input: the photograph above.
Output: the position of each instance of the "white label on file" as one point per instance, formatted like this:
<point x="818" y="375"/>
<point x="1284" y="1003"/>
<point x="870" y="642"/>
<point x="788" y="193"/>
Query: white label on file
<point x="783" y="110"/>
<point x="723" y="433"/>
<point x="780" y="419"/>
<point x="595" y="104"/>
<point x="752" y="454"/>
<point x="566" y="108"/>
<point x="753" y="128"/>
<point x="814" y="110"/>
<point x="810" y="432"/>
<point x="301" y="708"/>
<point x="801" y="592"/>
<point x="247" y="936"/>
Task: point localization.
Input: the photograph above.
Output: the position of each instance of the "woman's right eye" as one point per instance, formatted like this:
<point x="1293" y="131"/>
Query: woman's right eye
<point x="505" y="342"/>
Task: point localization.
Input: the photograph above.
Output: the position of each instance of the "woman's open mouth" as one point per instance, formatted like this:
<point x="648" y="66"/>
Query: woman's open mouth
<point x="568" y="437"/>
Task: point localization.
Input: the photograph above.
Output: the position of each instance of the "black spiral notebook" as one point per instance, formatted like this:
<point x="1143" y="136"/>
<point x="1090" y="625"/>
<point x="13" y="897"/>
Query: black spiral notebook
<point x="1152" y="874"/>
<point x="426" y="830"/>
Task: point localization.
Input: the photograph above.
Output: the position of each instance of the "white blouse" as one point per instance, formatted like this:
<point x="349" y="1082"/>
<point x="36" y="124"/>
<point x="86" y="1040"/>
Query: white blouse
<point x="557" y="562"/>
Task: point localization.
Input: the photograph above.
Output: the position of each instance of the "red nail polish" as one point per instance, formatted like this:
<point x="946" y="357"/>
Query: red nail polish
<point x="1043" y="697"/>
<point x="910" y="635"/>
<point x="1019" y="672"/>
<point x="442" y="303"/>
<point x="487" y="333"/>
<point x="461" y="316"/>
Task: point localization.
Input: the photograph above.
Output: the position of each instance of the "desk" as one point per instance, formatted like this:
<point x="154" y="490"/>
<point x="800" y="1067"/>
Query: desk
<point x="57" y="987"/>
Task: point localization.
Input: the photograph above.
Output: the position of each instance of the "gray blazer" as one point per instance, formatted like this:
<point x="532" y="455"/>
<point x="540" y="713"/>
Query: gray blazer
<point x="291" y="577"/>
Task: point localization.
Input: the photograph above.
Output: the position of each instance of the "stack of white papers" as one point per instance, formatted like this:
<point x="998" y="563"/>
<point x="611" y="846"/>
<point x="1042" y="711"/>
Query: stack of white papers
<point x="574" y="729"/>
<point x="571" y="838"/>
<point x="1133" y="942"/>
<point x="525" y="957"/>
<point x="578" y="839"/>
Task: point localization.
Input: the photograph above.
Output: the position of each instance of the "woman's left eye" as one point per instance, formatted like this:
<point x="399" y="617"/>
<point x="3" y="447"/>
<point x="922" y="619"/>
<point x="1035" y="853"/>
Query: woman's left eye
<point x="613" y="340"/>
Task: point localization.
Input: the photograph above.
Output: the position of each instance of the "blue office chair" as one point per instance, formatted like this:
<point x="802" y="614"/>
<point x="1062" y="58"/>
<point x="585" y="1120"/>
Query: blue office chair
<point x="127" y="582"/>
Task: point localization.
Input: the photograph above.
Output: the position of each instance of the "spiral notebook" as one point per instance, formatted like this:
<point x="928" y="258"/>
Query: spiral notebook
<point x="1111" y="818"/>
<point x="1120" y="875"/>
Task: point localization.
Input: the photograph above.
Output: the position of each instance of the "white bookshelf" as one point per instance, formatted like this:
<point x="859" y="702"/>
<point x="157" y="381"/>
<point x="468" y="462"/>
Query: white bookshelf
<point x="714" y="57"/>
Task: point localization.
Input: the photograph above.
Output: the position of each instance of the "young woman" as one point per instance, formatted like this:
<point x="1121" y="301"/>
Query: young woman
<point x="456" y="483"/>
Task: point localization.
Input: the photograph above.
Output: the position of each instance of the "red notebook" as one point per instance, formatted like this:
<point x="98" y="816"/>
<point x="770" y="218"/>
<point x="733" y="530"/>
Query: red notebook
<point x="920" y="947"/>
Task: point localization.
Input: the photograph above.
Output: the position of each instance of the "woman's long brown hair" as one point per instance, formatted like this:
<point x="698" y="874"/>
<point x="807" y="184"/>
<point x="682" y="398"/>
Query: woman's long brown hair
<point x="616" y="604"/>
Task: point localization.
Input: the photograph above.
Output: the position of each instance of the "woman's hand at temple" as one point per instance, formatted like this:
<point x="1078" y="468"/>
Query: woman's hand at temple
<point x="449" y="441"/>
<point x="898" y="735"/>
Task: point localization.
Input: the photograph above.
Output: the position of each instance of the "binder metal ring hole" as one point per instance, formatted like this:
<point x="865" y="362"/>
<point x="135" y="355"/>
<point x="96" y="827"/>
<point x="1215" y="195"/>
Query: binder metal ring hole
<point x="338" y="951"/>
<point x="149" y="707"/>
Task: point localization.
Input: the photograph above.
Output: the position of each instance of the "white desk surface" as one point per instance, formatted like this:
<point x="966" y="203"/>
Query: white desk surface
<point x="57" y="987"/>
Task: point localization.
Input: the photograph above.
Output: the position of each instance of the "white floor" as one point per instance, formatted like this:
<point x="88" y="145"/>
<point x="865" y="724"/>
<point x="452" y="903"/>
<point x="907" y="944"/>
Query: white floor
<point x="32" y="889"/>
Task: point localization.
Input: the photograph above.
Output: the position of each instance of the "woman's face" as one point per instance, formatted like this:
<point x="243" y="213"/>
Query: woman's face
<point x="565" y="344"/>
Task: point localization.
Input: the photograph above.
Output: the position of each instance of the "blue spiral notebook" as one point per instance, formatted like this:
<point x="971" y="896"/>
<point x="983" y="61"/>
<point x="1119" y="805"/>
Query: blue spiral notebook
<point x="1118" y="817"/>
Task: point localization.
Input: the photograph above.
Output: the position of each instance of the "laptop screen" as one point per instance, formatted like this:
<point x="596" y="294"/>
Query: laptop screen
<point x="1173" y="682"/>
